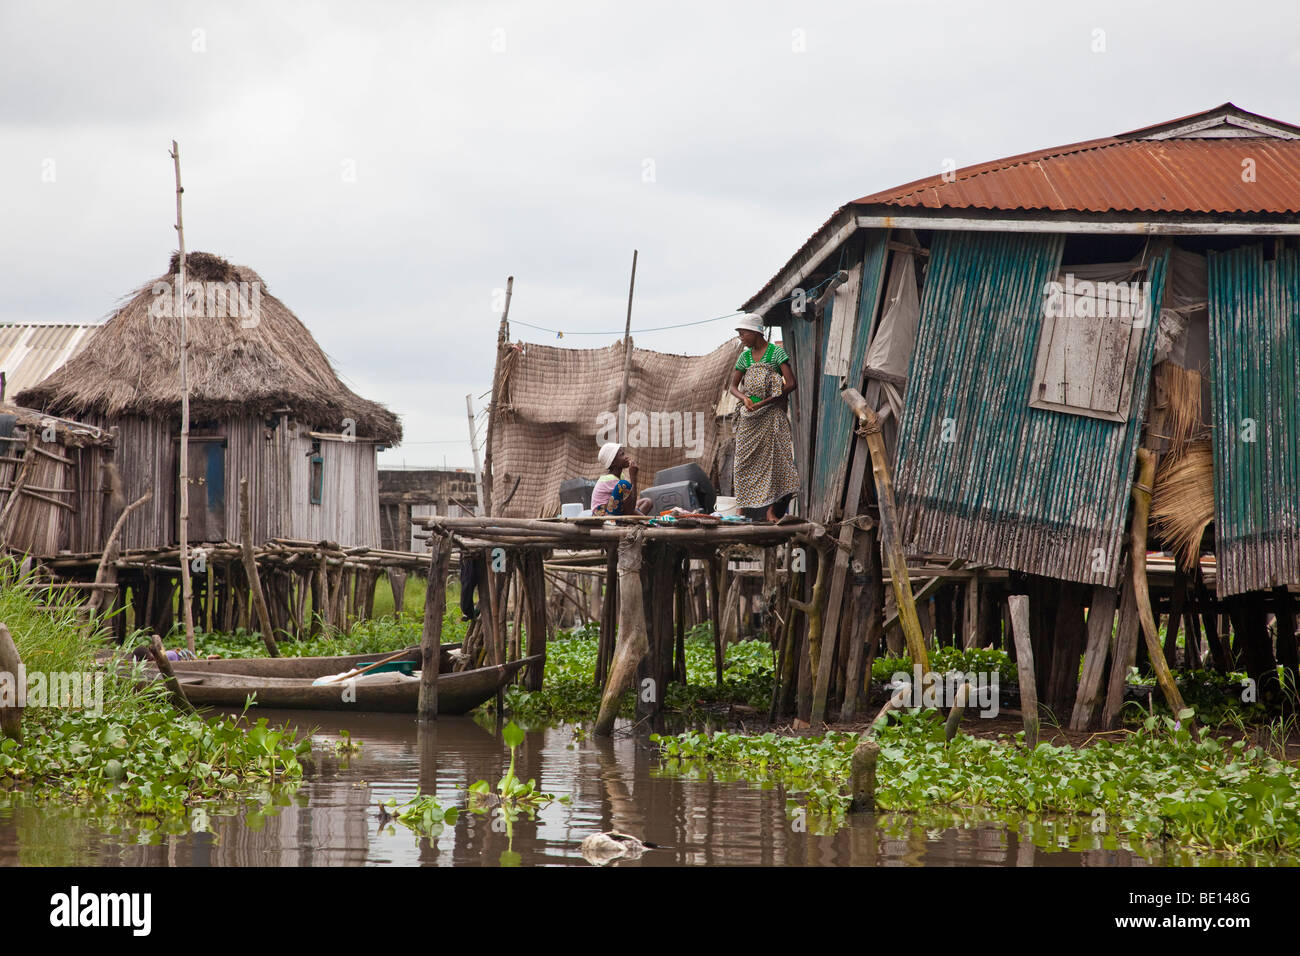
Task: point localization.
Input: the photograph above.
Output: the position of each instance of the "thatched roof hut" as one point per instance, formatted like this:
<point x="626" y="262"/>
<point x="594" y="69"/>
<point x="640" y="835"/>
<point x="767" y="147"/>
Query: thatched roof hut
<point x="237" y="364"/>
<point x="265" y="404"/>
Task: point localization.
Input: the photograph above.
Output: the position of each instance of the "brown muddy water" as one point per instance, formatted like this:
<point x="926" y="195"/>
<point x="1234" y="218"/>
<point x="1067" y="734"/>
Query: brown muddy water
<point x="332" y="818"/>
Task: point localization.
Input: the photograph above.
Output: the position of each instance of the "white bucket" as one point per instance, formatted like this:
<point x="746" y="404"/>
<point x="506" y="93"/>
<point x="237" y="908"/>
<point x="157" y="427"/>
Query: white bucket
<point x="572" y="509"/>
<point x="726" y="506"/>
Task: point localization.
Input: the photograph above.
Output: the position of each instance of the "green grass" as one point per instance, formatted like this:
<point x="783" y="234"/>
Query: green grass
<point x="569" y="692"/>
<point x="137" y="754"/>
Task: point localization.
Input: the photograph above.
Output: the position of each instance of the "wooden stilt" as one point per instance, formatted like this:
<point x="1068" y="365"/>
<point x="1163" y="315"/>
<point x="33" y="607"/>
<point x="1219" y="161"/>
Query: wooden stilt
<point x="1019" y="605"/>
<point x="633" y="642"/>
<point x="1126" y="641"/>
<point x="1101" y="621"/>
<point x="250" y="569"/>
<point x="435" y="604"/>
<point x="1146" y="472"/>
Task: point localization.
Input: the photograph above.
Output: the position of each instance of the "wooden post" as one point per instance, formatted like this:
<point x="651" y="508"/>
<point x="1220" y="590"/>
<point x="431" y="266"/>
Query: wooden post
<point x="608" y="617"/>
<point x="11" y="665"/>
<point x="397" y="582"/>
<point x="627" y="357"/>
<point x="184" y="505"/>
<point x="633" y="641"/>
<point x="971" y="629"/>
<point x="869" y="613"/>
<point x="814" y="608"/>
<point x="250" y="568"/>
<point x="435" y="605"/>
<point x="534" y="577"/>
<point x="1019" y="604"/>
<point x="895" y="559"/>
<point x="1101" y="621"/>
<point x="159" y="654"/>
<point x="717" y="570"/>
<point x="1146" y="467"/>
<point x="1126" y="640"/>
<point x="503" y="334"/>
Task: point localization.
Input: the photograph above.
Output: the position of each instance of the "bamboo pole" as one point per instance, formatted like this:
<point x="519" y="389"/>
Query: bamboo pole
<point x="890" y="545"/>
<point x="627" y="357"/>
<point x="250" y="568"/>
<point x="1146" y="468"/>
<point x="503" y="334"/>
<point x="186" y="585"/>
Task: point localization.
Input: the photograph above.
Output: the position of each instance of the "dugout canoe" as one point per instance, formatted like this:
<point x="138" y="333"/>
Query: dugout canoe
<point x="312" y="667"/>
<point x="458" y="692"/>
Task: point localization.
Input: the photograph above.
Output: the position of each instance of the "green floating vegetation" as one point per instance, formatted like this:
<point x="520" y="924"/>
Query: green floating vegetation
<point x="125" y="749"/>
<point x="570" y="693"/>
<point x="1159" y="783"/>
<point x="943" y="659"/>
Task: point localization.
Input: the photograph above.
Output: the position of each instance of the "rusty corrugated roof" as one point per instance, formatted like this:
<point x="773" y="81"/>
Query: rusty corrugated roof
<point x="31" y="351"/>
<point x="1189" y="165"/>
<point x="1116" y="175"/>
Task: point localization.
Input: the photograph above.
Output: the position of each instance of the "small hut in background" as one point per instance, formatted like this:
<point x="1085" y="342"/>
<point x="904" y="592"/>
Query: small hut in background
<point x="56" y="483"/>
<point x="265" y="405"/>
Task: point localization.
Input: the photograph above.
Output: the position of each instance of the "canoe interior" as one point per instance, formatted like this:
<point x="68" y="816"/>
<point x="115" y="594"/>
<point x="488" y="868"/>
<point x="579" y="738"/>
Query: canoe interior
<point x="458" y="692"/>
<point x="312" y="667"/>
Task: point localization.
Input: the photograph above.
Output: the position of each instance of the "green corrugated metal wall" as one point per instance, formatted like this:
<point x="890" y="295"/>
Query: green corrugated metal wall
<point x="835" y="421"/>
<point x="1034" y="490"/>
<point x="820" y="418"/>
<point x="1255" y="369"/>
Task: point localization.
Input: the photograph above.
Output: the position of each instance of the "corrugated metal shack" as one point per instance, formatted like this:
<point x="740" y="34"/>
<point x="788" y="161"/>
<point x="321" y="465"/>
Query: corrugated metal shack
<point x="1023" y="328"/>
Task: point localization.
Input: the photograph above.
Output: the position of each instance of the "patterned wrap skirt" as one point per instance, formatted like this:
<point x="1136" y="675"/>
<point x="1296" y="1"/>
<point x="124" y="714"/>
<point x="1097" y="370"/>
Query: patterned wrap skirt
<point x="764" y="470"/>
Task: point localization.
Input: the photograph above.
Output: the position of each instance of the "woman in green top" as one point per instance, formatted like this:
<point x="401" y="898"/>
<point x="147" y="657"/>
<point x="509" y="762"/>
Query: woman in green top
<point x="765" y="476"/>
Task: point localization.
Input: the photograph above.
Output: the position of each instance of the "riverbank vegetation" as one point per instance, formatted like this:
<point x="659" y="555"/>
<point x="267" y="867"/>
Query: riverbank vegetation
<point x="126" y="749"/>
<point x="1162" y="782"/>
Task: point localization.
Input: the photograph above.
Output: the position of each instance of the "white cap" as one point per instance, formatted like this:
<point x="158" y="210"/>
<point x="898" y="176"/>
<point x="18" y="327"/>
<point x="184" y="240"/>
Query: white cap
<point x="750" y="322"/>
<point x="608" y="452"/>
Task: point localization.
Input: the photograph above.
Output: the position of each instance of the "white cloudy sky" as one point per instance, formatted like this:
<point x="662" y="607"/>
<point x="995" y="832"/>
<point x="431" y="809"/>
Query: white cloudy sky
<point x="474" y="162"/>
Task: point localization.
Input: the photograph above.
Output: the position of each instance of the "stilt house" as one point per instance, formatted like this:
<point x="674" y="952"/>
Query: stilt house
<point x="1024" y="327"/>
<point x="265" y="404"/>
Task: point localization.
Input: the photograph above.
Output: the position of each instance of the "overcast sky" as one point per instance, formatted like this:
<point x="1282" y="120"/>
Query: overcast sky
<point x="385" y="166"/>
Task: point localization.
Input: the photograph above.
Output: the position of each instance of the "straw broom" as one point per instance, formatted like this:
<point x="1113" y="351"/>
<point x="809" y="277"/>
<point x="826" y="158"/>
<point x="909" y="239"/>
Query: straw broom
<point x="1182" y="506"/>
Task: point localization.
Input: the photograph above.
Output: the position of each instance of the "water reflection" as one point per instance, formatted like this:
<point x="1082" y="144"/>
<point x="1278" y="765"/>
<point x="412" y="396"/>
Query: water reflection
<point x="616" y="784"/>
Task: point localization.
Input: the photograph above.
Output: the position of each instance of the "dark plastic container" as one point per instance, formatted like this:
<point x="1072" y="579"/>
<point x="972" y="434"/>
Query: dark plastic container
<point x="677" y="494"/>
<point x="704" y="494"/>
<point x="577" y="491"/>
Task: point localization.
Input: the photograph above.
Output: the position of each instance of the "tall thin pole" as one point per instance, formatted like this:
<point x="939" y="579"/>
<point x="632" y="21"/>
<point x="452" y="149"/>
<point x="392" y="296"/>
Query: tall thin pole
<point x="473" y="444"/>
<point x="503" y="335"/>
<point x="187" y="601"/>
<point x="627" y="357"/>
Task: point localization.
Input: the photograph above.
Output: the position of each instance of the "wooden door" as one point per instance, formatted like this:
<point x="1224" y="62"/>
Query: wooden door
<point x="207" y="480"/>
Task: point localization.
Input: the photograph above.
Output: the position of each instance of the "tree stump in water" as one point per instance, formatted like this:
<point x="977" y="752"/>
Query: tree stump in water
<point x="11" y="715"/>
<point x="632" y="640"/>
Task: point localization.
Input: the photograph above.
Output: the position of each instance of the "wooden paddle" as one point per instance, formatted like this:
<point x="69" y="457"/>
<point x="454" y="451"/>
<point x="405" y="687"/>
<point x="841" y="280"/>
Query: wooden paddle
<point x="357" y="672"/>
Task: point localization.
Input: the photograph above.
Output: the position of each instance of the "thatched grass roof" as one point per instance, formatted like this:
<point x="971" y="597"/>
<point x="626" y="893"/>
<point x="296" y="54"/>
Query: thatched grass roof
<point x="131" y="364"/>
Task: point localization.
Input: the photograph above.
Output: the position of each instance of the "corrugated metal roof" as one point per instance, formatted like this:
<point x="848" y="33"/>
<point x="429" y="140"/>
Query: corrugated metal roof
<point x="1174" y="167"/>
<point x="981" y="474"/>
<point x="1255" y="356"/>
<point x="29" y="351"/>
<point x="1115" y="175"/>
